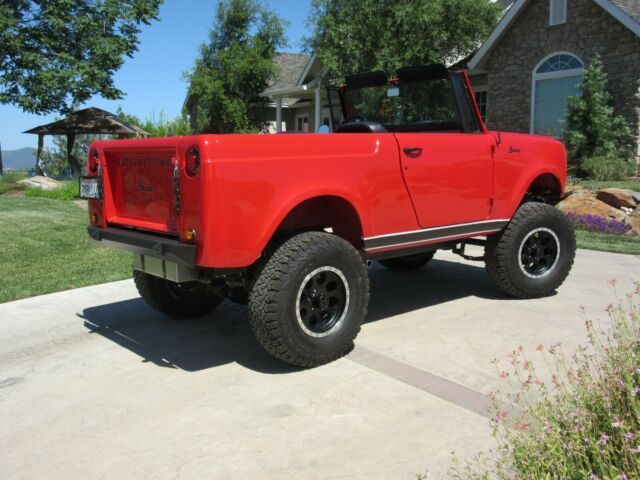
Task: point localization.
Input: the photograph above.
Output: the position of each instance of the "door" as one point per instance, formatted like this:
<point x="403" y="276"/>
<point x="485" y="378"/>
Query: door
<point x="302" y="123"/>
<point x="449" y="176"/>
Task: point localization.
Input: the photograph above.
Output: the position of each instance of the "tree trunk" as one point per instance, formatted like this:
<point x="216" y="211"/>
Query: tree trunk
<point x="1" y="168"/>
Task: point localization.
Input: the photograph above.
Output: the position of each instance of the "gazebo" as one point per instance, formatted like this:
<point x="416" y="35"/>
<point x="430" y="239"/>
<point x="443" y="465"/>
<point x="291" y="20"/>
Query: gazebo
<point x="83" y="122"/>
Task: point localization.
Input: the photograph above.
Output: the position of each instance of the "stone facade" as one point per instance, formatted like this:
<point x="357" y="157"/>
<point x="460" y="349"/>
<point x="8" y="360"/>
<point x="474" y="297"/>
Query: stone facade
<point x="589" y="30"/>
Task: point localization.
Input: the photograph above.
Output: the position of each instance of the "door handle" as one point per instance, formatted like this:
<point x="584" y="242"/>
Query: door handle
<point x="413" y="152"/>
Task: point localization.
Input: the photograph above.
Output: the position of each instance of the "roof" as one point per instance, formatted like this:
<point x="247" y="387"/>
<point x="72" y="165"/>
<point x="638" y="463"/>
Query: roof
<point x="626" y="12"/>
<point x="290" y="67"/>
<point x="88" y="121"/>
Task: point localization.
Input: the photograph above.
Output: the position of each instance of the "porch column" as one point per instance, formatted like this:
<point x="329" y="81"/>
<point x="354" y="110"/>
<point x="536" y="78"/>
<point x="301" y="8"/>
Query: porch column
<point x="278" y="114"/>
<point x="318" y="105"/>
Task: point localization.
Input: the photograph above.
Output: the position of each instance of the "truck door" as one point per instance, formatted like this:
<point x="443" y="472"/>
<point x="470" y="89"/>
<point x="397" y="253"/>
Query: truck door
<point x="449" y="176"/>
<point x="446" y="156"/>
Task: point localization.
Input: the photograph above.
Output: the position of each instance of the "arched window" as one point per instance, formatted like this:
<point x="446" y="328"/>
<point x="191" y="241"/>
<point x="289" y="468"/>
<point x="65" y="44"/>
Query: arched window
<point x="555" y="79"/>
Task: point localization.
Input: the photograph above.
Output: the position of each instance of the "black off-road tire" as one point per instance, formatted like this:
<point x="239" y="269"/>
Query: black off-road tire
<point x="275" y="310"/>
<point x="177" y="300"/>
<point x="409" y="262"/>
<point x="505" y="252"/>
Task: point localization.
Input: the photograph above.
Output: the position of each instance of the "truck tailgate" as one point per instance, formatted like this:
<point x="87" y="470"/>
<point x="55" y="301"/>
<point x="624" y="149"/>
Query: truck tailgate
<point x="142" y="188"/>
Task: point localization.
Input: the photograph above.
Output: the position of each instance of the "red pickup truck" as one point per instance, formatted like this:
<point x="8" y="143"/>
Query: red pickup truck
<point x="288" y="223"/>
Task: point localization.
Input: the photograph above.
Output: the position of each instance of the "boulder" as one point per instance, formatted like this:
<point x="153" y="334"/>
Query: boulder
<point x="42" y="182"/>
<point x="617" y="197"/>
<point x="585" y="204"/>
<point x="574" y="189"/>
<point x="634" y="220"/>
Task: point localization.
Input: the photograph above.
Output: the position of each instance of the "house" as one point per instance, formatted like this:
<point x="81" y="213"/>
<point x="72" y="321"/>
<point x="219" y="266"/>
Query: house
<point x="535" y="59"/>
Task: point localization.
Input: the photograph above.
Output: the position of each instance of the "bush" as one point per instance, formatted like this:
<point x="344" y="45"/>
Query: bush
<point x="605" y="168"/>
<point x="598" y="141"/>
<point x="586" y="423"/>
<point x="69" y="191"/>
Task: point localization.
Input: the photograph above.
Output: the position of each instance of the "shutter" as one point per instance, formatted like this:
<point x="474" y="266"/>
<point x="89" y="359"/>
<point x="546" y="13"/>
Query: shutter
<point x="557" y="12"/>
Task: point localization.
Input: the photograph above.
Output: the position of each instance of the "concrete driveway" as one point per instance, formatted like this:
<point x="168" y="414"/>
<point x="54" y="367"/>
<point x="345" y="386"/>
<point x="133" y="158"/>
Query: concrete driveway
<point x="93" y="384"/>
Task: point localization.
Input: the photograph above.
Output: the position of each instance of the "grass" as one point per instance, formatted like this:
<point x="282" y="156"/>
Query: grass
<point x="596" y="185"/>
<point x="68" y="191"/>
<point x="604" y="242"/>
<point x="9" y="182"/>
<point x="44" y="247"/>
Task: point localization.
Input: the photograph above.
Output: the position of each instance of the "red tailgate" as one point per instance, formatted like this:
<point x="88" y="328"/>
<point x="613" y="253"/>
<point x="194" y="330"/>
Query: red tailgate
<point x="142" y="188"/>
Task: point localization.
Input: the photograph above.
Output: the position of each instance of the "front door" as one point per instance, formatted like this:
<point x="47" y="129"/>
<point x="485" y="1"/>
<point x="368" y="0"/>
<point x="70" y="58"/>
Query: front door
<point x="302" y="123"/>
<point x="449" y="176"/>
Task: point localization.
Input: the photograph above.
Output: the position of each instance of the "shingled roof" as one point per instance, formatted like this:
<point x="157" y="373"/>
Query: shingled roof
<point x="290" y="67"/>
<point x="630" y="7"/>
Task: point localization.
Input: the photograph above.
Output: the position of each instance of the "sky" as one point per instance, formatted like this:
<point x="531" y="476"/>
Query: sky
<point x="152" y="80"/>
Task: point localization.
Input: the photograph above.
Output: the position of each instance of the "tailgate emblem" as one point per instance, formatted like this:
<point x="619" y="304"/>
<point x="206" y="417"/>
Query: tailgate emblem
<point x="143" y="187"/>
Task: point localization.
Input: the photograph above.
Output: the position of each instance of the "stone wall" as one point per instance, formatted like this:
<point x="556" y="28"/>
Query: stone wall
<point x="589" y="30"/>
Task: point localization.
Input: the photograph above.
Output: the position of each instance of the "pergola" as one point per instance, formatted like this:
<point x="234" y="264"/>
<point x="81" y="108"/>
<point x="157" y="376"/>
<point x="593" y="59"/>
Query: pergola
<point x="90" y="121"/>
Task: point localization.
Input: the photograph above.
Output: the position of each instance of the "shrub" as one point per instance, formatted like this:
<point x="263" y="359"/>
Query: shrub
<point x="606" y="168"/>
<point x="69" y="191"/>
<point x="594" y="223"/>
<point x="595" y="134"/>
<point x="585" y="422"/>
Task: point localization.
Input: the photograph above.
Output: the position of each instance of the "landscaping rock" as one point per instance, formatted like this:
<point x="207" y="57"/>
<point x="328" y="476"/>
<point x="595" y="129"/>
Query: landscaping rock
<point x="634" y="220"/>
<point x="585" y="204"/>
<point x="617" y="197"/>
<point x="574" y="189"/>
<point x="42" y="182"/>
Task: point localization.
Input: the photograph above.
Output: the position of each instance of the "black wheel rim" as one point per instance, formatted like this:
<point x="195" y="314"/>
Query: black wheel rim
<point x="539" y="253"/>
<point x="323" y="299"/>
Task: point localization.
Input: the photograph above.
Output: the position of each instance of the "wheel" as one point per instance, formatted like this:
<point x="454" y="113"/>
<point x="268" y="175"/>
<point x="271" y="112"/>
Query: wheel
<point x="408" y="263"/>
<point x="533" y="255"/>
<point x="177" y="300"/>
<point x="309" y="299"/>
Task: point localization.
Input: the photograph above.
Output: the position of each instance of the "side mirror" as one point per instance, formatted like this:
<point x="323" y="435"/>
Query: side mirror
<point x="324" y="128"/>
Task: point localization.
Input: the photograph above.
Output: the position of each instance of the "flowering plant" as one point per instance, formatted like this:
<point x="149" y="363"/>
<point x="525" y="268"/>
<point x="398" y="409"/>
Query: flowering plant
<point x="599" y="224"/>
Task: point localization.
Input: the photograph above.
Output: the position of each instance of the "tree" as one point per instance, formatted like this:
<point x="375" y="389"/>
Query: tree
<point x="161" y="126"/>
<point x="57" y="52"/>
<point x="234" y="67"/>
<point x="366" y="35"/>
<point x="598" y="141"/>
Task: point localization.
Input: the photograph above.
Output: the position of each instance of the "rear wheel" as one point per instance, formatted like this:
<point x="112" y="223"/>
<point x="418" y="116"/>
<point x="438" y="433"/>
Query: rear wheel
<point x="409" y="262"/>
<point x="177" y="300"/>
<point x="533" y="255"/>
<point x="309" y="299"/>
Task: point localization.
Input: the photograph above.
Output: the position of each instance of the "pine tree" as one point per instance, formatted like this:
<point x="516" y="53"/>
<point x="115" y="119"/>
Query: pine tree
<point x="598" y="141"/>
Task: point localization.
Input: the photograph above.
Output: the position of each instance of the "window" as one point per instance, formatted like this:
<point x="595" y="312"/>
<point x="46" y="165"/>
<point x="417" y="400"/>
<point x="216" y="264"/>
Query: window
<point x="302" y="123"/>
<point x="555" y="79"/>
<point x="481" y="100"/>
<point x="557" y="12"/>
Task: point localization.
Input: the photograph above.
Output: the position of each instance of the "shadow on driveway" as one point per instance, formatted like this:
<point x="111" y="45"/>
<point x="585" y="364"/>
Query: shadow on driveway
<point x="225" y="336"/>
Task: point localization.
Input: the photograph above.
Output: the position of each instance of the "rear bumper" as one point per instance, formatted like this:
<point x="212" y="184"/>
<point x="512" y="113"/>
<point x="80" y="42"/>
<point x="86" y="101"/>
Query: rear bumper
<point x="145" y="244"/>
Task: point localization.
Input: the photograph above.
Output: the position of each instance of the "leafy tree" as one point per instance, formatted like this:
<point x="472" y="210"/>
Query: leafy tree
<point x="234" y="67"/>
<point x="598" y="141"/>
<point x="366" y="35"/>
<point x="57" y="52"/>
<point x="161" y="126"/>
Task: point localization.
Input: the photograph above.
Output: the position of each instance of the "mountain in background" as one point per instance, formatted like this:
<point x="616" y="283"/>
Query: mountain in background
<point x="22" y="159"/>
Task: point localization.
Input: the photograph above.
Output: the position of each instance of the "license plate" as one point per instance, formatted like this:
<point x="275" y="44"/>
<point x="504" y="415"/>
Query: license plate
<point x="90" y="187"/>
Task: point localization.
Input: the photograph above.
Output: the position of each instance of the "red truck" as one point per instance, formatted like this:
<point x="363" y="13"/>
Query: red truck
<point x="288" y="223"/>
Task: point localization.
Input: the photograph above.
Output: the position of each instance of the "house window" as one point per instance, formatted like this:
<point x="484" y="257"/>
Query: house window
<point x="555" y="79"/>
<point x="481" y="100"/>
<point x="557" y="12"/>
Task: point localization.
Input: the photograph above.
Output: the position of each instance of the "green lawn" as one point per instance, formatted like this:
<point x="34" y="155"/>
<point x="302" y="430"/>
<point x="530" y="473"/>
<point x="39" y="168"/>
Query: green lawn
<point x="608" y="243"/>
<point x="44" y="247"/>
<point x="9" y="181"/>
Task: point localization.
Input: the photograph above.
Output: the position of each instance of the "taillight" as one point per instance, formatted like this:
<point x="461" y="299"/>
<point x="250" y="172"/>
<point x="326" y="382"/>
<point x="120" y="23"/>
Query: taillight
<point x="94" y="160"/>
<point x="192" y="162"/>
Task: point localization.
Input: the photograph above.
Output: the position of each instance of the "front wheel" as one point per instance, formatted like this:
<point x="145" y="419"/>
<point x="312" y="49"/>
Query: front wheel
<point x="533" y="255"/>
<point x="309" y="300"/>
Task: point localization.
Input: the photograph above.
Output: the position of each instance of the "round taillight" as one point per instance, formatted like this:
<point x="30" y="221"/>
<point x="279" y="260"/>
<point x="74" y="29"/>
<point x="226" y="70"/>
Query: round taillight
<point x="94" y="160"/>
<point x="192" y="161"/>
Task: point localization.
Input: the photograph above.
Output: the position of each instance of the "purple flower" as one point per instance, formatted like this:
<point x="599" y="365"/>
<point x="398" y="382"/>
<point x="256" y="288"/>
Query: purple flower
<point x="593" y="476"/>
<point x="604" y="438"/>
<point x="630" y="436"/>
<point x="616" y="423"/>
<point x="623" y="477"/>
<point x="595" y="223"/>
<point x="635" y="450"/>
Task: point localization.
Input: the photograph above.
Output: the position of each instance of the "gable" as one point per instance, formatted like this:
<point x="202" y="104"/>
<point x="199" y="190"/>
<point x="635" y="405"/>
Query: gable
<point x="626" y="12"/>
